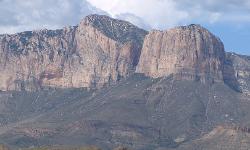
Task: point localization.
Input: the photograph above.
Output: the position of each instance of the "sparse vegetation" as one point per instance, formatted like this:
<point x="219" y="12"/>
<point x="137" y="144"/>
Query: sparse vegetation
<point x="3" y="147"/>
<point x="65" y="148"/>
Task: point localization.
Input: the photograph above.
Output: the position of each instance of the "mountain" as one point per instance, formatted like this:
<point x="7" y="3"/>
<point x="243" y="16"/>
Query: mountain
<point x="190" y="52"/>
<point x="101" y="50"/>
<point x="96" y="52"/>
<point x="138" y="112"/>
<point x="109" y="83"/>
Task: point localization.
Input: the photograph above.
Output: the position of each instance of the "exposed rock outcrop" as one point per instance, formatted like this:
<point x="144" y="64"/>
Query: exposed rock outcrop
<point x="187" y="52"/>
<point x="98" y="51"/>
<point x="101" y="50"/>
<point x="241" y="67"/>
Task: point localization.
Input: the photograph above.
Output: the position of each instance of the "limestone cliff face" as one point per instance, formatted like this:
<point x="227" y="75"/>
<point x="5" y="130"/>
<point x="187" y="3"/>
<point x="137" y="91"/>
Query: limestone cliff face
<point x="98" y="51"/>
<point x="101" y="50"/>
<point x="187" y="52"/>
<point x="241" y="65"/>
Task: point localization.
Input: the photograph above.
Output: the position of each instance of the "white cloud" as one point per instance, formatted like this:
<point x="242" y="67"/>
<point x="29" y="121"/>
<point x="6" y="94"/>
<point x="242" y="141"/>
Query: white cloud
<point x="134" y="19"/>
<point x="20" y="15"/>
<point x="167" y="13"/>
<point x="214" y="17"/>
<point x="157" y="13"/>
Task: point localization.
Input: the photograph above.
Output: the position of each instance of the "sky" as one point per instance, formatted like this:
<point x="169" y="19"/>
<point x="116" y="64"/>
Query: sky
<point x="227" y="19"/>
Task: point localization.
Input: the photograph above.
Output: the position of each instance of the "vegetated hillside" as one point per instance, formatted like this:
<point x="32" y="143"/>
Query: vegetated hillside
<point x="220" y="138"/>
<point x="138" y="112"/>
<point x="64" y="148"/>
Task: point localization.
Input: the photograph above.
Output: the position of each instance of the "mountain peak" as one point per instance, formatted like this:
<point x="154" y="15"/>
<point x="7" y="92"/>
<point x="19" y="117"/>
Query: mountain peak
<point x="193" y="28"/>
<point x="98" y="51"/>
<point x="188" y="52"/>
<point x="116" y="29"/>
<point x="95" y="19"/>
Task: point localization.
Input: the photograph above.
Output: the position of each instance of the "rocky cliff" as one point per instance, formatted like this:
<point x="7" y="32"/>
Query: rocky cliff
<point x="188" y="52"/>
<point x="98" y="51"/>
<point x="241" y="65"/>
<point x="101" y="50"/>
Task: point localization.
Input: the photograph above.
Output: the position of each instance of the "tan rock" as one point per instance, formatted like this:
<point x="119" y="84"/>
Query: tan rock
<point x="188" y="52"/>
<point x="101" y="50"/>
<point x="241" y="69"/>
<point x="97" y="52"/>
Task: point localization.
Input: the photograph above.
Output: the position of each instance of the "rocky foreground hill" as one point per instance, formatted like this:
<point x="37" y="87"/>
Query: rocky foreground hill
<point x="105" y="82"/>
